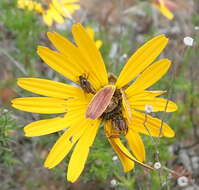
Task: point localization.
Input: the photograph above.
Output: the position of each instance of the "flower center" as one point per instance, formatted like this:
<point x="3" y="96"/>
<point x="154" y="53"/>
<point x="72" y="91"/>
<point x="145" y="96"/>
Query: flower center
<point x="113" y="113"/>
<point x="106" y="104"/>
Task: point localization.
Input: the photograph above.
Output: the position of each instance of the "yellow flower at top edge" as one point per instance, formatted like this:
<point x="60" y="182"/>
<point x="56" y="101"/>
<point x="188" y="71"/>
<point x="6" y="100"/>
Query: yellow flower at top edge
<point x="60" y="9"/>
<point x="91" y="34"/>
<point x="161" y="5"/>
<point x="114" y="103"/>
<point x="53" y="10"/>
<point x="30" y="5"/>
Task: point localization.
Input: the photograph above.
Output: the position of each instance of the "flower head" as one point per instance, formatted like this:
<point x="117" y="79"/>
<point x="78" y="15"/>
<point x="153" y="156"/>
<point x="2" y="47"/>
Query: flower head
<point x="98" y="99"/>
<point x="182" y="181"/>
<point x="114" y="182"/>
<point x="53" y="10"/>
<point x="30" y="5"/>
<point x="157" y="165"/>
<point x="188" y="41"/>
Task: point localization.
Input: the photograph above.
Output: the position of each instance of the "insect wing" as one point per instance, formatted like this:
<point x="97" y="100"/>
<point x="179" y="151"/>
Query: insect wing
<point x="100" y="102"/>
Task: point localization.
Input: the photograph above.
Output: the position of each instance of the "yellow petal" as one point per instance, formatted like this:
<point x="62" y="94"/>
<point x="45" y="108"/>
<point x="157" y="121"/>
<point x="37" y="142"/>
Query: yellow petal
<point x="151" y="75"/>
<point x="59" y="63"/>
<point x="64" y="144"/>
<point x="20" y="4"/>
<point x="78" y="104"/>
<point x="74" y="57"/>
<point x="70" y="1"/>
<point x="30" y="6"/>
<point x="125" y="151"/>
<point x="126" y="106"/>
<point x="146" y="124"/>
<point x="55" y="14"/>
<point x="164" y="10"/>
<point x="58" y="7"/>
<point x="145" y="95"/>
<point x="98" y="44"/>
<point x="80" y="153"/>
<point x="46" y="126"/>
<point x="62" y="44"/>
<point x="127" y="164"/>
<point x="38" y="8"/>
<point x="70" y="8"/>
<point x="92" y="55"/>
<point x="122" y="151"/>
<point x="143" y="57"/>
<point x="158" y="104"/>
<point x="40" y="105"/>
<point x="47" y="19"/>
<point x="49" y="88"/>
<point x="136" y="145"/>
<point x="90" y="32"/>
<point x="156" y="92"/>
<point x="69" y="51"/>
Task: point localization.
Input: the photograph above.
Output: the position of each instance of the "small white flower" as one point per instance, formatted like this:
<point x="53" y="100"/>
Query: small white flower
<point x="196" y="27"/>
<point x="149" y="108"/>
<point x="182" y="181"/>
<point x="188" y="41"/>
<point x="157" y="165"/>
<point x="114" y="158"/>
<point x="113" y="182"/>
<point x="5" y="111"/>
<point x="123" y="57"/>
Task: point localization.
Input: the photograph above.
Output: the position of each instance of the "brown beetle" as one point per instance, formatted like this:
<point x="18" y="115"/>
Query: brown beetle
<point x="115" y="103"/>
<point x="86" y="85"/>
<point x="119" y="124"/>
<point x="113" y="113"/>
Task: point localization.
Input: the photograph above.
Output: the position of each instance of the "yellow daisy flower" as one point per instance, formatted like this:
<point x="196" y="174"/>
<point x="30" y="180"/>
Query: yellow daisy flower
<point x="58" y="10"/>
<point x="96" y="100"/>
<point x="30" y="5"/>
<point x="161" y="5"/>
<point x="91" y="33"/>
<point x="51" y="10"/>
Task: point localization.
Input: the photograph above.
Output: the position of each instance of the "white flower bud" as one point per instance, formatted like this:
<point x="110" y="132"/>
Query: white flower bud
<point x="114" y="158"/>
<point x="182" y="181"/>
<point x="113" y="182"/>
<point x="188" y="41"/>
<point x="149" y="108"/>
<point x="5" y="110"/>
<point x="124" y="56"/>
<point x="157" y="165"/>
<point x="196" y="27"/>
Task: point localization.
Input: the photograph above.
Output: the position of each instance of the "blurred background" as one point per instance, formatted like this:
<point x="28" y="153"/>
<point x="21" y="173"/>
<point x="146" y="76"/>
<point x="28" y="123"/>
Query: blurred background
<point x="122" y="26"/>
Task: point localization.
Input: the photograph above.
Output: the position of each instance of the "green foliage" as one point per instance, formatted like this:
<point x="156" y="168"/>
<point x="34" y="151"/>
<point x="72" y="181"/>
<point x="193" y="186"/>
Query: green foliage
<point x="7" y="128"/>
<point x="98" y="165"/>
<point x="25" y="29"/>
